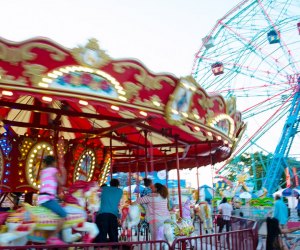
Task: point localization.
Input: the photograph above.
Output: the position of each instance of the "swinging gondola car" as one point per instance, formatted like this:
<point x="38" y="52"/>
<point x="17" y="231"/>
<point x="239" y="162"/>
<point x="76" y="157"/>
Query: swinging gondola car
<point x="273" y="37"/>
<point x="208" y="42"/>
<point x="217" y="68"/>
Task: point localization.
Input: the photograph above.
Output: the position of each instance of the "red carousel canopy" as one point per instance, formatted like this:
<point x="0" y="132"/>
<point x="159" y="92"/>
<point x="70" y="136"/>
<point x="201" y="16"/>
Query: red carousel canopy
<point x="117" y="106"/>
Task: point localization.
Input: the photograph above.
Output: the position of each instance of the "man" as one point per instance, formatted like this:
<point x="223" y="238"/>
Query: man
<point x="280" y="211"/>
<point x="107" y="217"/>
<point x="225" y="209"/>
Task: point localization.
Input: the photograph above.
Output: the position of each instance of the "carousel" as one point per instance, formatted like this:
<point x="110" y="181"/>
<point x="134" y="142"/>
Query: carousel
<point x="102" y="116"/>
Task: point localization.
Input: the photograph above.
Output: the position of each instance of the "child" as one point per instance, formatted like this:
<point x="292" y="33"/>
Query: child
<point x="50" y="179"/>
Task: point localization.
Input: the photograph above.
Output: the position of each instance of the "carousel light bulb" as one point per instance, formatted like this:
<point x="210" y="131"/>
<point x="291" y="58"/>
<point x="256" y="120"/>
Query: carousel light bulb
<point x="197" y="128"/>
<point x="43" y="85"/>
<point x="143" y="113"/>
<point x="64" y="70"/>
<point x="57" y="73"/>
<point x="82" y="102"/>
<point x="174" y="111"/>
<point x="156" y="103"/>
<point x="209" y="133"/>
<point x="118" y="87"/>
<point x="193" y="89"/>
<point x="114" y="107"/>
<point x="7" y="93"/>
<point x="123" y="98"/>
<point x="219" y="137"/>
<point x="47" y="99"/>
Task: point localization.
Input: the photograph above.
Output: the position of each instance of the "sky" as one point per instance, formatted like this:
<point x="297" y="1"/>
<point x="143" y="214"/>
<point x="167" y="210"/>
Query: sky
<point x="163" y="34"/>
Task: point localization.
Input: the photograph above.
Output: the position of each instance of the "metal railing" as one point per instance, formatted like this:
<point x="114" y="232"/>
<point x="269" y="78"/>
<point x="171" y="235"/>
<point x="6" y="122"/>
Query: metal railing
<point x="243" y="235"/>
<point x="136" y="245"/>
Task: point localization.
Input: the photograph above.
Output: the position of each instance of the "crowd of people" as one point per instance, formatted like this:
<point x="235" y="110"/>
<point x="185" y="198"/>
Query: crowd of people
<point x="154" y="198"/>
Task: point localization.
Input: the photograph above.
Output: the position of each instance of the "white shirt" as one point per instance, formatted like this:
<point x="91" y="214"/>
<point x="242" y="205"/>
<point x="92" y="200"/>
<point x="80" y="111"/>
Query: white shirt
<point x="226" y="210"/>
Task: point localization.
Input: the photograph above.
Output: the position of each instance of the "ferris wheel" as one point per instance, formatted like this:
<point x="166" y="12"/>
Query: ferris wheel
<point x="253" y="54"/>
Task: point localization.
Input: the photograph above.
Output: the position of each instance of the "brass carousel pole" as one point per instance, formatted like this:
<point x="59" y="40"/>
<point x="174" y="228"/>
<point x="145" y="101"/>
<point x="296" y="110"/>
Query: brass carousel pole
<point x="178" y="177"/>
<point x="111" y="156"/>
<point x="212" y="171"/>
<point x="129" y="178"/>
<point x="197" y="169"/>
<point x="146" y="152"/>
<point x="166" y="168"/>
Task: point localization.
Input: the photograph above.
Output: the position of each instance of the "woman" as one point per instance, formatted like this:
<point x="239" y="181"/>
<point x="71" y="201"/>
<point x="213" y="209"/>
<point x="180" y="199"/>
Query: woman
<point x="274" y="235"/>
<point x="50" y="179"/>
<point x="157" y="208"/>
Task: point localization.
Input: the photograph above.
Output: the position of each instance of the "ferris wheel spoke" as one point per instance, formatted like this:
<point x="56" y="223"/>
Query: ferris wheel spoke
<point x="284" y="45"/>
<point x="254" y="49"/>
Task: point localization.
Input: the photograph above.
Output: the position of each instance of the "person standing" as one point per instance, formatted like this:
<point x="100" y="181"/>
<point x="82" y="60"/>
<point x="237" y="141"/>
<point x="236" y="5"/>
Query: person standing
<point x="148" y="185"/>
<point x="107" y="217"/>
<point x="280" y="211"/>
<point x="298" y="207"/>
<point x="157" y="209"/>
<point x="275" y="239"/>
<point x="225" y="209"/>
<point x="50" y="179"/>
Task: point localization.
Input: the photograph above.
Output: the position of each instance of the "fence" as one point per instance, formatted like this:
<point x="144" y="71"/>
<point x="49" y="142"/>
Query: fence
<point x="243" y="236"/>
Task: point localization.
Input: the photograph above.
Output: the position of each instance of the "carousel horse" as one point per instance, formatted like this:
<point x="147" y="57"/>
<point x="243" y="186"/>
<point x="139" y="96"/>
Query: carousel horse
<point x="81" y="195"/>
<point x="181" y="226"/>
<point x="169" y="231"/>
<point x="203" y="211"/>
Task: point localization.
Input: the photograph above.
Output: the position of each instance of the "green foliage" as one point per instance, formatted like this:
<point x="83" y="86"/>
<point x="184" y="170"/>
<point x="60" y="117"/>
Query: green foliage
<point x="215" y="200"/>
<point x="262" y="202"/>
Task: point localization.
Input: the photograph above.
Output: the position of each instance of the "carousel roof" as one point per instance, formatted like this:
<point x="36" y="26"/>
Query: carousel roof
<point x="141" y="118"/>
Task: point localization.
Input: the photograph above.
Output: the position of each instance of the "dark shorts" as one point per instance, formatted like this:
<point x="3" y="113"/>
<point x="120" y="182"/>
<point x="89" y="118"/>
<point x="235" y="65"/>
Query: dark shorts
<point x="55" y="207"/>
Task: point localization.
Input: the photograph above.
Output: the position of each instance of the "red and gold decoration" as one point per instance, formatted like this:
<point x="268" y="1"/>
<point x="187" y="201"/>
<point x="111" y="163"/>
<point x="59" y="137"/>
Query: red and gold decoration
<point x="97" y="105"/>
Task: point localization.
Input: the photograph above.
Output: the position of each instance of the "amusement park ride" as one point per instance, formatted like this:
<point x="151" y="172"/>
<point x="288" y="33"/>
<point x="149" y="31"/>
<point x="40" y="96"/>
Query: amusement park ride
<point x="103" y="116"/>
<point x="252" y="54"/>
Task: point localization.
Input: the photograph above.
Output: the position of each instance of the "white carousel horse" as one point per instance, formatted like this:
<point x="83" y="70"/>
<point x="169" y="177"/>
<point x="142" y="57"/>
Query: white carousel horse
<point x="81" y="195"/>
<point x="169" y="231"/>
<point x="203" y="210"/>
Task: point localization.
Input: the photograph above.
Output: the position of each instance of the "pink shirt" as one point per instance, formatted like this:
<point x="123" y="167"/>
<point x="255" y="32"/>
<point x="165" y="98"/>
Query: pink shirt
<point x="157" y="207"/>
<point x="48" y="184"/>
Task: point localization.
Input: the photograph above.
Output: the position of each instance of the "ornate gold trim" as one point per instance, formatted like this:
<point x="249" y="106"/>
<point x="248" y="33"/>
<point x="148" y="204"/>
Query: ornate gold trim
<point x="91" y="55"/>
<point x="226" y="117"/>
<point x="231" y="105"/>
<point x="15" y="55"/>
<point x="34" y="72"/>
<point x="56" y="54"/>
<point x="149" y="82"/>
<point x="187" y="85"/>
